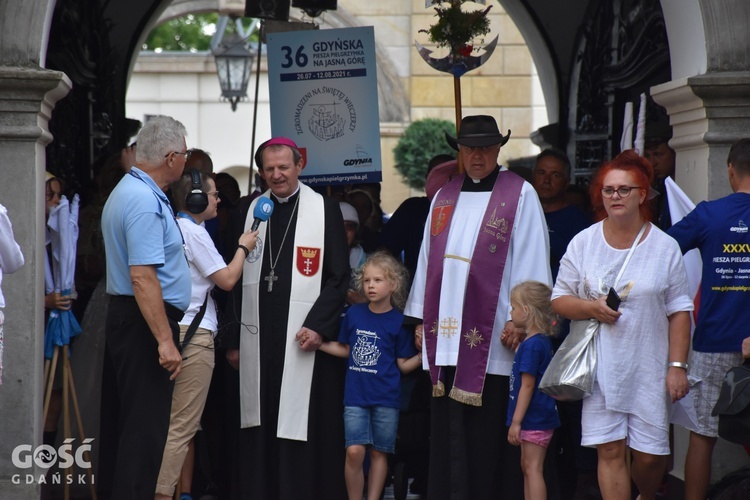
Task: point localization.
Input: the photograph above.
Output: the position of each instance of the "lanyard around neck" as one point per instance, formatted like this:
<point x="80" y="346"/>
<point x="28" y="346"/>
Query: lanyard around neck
<point x="169" y="206"/>
<point x="186" y="215"/>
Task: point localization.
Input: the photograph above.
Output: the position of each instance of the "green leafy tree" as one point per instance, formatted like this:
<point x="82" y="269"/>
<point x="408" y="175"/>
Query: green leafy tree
<point x="422" y="140"/>
<point x="191" y="33"/>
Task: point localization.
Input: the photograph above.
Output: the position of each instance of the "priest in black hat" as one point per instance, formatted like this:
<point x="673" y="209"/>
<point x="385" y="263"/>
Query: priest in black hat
<point x="486" y="232"/>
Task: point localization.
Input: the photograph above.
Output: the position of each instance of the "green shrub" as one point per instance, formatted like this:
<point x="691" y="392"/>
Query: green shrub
<point x="422" y="140"/>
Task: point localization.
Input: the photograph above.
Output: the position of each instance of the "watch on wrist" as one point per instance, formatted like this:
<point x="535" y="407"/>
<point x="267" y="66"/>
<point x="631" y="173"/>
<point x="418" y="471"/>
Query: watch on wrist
<point x="678" y="364"/>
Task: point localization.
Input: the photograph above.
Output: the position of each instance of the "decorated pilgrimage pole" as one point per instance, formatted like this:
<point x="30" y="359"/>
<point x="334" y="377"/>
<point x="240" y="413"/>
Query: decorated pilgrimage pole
<point x="457" y="30"/>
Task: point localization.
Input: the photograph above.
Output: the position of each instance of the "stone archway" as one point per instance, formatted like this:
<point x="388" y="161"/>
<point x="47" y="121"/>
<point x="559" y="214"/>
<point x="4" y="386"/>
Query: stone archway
<point x="394" y="103"/>
<point x="540" y="53"/>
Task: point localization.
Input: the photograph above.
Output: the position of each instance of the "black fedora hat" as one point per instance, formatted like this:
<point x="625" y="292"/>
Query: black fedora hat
<point x="478" y="131"/>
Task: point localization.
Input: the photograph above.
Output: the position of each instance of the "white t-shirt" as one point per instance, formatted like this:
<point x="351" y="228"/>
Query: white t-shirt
<point x="633" y="352"/>
<point x="204" y="260"/>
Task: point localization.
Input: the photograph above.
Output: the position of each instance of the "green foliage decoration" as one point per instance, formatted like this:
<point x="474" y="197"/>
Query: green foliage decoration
<point x="422" y="140"/>
<point x="457" y="29"/>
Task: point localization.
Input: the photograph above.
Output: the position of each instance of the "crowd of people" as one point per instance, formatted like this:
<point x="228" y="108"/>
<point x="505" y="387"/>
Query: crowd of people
<point x="306" y="321"/>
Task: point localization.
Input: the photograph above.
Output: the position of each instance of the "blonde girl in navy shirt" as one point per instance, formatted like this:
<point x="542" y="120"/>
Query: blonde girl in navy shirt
<point x="379" y="349"/>
<point x="532" y="415"/>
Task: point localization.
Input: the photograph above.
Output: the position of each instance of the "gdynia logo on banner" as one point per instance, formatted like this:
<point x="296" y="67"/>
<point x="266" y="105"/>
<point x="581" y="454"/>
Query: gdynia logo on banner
<point x="46" y="456"/>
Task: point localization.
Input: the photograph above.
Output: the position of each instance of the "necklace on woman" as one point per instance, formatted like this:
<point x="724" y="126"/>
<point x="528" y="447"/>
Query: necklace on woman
<point x="271" y="277"/>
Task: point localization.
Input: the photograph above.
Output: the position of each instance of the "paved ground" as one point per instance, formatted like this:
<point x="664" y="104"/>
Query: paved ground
<point x="675" y="491"/>
<point x="388" y="495"/>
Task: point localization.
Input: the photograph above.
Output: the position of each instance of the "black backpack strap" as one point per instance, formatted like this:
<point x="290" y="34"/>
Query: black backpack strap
<point x="194" y="325"/>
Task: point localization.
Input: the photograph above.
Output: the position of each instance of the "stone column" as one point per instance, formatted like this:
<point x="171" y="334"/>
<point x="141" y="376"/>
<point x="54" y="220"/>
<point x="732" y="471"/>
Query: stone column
<point x="27" y="98"/>
<point x="708" y="114"/>
<point x="689" y="125"/>
<point x="726" y="99"/>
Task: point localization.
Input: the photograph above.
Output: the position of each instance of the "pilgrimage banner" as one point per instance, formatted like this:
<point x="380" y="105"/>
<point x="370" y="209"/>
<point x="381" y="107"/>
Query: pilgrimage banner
<point x="324" y="96"/>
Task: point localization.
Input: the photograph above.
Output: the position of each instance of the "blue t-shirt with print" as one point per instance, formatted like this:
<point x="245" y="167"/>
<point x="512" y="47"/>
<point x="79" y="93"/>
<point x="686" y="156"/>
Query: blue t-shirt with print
<point x="719" y="229"/>
<point x="533" y="357"/>
<point x="375" y="342"/>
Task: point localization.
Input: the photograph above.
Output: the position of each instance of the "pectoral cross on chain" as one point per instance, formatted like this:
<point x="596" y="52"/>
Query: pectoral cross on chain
<point x="271" y="278"/>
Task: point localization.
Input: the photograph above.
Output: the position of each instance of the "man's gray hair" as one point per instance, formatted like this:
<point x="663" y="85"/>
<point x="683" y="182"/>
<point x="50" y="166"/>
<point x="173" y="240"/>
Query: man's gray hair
<point x="159" y="136"/>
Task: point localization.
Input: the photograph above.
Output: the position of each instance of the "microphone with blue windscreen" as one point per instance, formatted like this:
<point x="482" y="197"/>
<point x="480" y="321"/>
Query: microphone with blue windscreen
<point x="262" y="212"/>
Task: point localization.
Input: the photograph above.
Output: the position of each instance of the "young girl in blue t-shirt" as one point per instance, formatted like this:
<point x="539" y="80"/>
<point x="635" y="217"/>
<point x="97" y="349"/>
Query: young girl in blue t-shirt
<point x="379" y="348"/>
<point x="532" y="415"/>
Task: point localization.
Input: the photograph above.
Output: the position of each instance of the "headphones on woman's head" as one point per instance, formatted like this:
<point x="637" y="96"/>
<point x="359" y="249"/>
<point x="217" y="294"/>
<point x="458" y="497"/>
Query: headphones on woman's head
<point x="196" y="200"/>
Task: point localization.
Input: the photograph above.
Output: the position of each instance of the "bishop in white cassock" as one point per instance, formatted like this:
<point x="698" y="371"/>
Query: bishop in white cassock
<point x="486" y="232"/>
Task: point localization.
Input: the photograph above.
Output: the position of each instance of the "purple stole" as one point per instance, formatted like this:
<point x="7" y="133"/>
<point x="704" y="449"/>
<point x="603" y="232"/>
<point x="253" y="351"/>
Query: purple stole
<point x="482" y="288"/>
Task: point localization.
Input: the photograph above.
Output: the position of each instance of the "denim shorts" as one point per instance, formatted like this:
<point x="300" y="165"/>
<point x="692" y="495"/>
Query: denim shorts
<point x="374" y="425"/>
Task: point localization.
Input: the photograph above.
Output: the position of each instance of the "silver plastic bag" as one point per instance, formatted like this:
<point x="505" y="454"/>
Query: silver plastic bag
<point x="571" y="374"/>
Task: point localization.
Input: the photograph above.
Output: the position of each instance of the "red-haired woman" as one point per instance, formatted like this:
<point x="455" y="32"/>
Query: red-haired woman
<point x="643" y="346"/>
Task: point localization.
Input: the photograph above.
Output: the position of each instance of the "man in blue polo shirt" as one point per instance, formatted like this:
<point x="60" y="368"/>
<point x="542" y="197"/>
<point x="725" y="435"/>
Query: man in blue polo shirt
<point x="719" y="229"/>
<point x="149" y="281"/>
